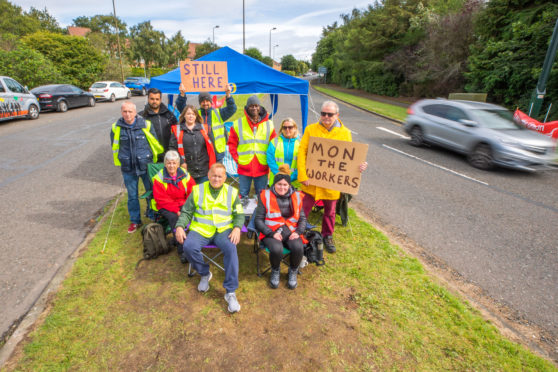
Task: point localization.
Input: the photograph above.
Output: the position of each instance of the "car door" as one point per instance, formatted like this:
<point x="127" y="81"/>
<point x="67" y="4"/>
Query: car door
<point x="82" y="99"/>
<point x="14" y="96"/>
<point x="114" y="87"/>
<point x="454" y="132"/>
<point x="65" y="92"/>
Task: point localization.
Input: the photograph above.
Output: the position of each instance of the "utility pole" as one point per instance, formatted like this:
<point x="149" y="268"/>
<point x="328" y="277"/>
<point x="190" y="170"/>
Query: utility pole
<point x="538" y="94"/>
<point x="118" y="40"/>
<point x="243" y="27"/>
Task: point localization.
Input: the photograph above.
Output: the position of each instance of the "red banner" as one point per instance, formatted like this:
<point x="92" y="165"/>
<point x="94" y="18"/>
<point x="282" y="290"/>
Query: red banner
<point x="549" y="129"/>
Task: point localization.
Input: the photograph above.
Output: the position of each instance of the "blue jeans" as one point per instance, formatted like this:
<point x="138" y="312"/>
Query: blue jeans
<point x="192" y="251"/>
<point x="245" y="182"/>
<point x="131" y="180"/>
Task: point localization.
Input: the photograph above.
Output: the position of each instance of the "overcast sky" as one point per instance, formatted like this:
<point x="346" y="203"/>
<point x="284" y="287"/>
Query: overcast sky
<point x="299" y="23"/>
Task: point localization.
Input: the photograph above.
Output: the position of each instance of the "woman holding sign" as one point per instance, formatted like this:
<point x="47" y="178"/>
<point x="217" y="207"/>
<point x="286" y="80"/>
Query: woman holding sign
<point x="284" y="150"/>
<point x="193" y="144"/>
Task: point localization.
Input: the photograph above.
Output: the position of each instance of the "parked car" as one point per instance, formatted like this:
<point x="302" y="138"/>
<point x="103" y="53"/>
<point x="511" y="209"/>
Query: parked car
<point x="109" y="90"/>
<point x="16" y="101"/>
<point x="137" y="85"/>
<point x="486" y="133"/>
<point x="61" y="97"/>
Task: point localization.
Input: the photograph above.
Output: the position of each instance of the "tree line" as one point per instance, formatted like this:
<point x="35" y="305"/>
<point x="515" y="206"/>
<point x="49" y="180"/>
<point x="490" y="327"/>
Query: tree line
<point x="430" y="48"/>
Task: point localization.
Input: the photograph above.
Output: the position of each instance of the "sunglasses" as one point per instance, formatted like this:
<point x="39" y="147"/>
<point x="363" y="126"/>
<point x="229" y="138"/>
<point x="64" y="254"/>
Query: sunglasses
<point x="288" y="128"/>
<point x="328" y="114"/>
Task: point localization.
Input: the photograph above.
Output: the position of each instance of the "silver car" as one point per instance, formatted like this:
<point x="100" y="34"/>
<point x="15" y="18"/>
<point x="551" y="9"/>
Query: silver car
<point x="486" y="133"/>
<point x="16" y="101"/>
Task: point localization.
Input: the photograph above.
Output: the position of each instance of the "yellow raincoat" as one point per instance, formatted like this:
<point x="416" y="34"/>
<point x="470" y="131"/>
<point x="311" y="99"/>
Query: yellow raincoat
<point x="318" y="130"/>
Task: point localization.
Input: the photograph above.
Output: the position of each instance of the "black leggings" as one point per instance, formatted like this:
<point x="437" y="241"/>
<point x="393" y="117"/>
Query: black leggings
<point x="171" y="217"/>
<point x="276" y="251"/>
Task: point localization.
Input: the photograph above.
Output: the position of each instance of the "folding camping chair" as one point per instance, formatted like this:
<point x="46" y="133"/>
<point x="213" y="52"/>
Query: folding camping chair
<point x="260" y="247"/>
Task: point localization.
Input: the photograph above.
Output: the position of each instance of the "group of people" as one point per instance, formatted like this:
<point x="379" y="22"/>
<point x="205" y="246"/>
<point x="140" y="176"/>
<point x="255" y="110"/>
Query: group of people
<point x="190" y="190"/>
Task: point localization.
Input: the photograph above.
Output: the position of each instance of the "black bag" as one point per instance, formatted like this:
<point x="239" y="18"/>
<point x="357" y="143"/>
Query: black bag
<point x="314" y="250"/>
<point x="154" y="242"/>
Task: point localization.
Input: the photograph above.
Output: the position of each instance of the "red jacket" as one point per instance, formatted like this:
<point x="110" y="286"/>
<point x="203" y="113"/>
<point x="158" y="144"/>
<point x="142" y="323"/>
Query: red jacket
<point x="171" y="198"/>
<point x="254" y="168"/>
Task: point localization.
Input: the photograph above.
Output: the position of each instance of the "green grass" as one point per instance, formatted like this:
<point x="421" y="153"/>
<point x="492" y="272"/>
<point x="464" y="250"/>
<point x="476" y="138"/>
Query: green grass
<point x="385" y="109"/>
<point x="371" y="307"/>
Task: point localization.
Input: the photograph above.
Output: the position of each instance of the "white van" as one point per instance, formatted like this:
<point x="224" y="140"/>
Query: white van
<point x="16" y="101"/>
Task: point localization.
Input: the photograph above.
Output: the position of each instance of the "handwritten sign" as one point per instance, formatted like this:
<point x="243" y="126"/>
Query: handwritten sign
<point x="333" y="164"/>
<point x="207" y="76"/>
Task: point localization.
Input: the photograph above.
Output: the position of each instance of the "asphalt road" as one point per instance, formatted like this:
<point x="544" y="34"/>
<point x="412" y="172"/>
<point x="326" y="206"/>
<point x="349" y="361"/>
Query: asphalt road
<point x="497" y="229"/>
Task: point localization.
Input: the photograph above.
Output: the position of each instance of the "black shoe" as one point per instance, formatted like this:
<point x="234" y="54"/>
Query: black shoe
<point x="274" y="278"/>
<point x="291" y="281"/>
<point x="328" y="244"/>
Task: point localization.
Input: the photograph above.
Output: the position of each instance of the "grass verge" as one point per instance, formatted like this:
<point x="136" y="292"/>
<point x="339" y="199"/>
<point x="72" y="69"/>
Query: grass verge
<point x="385" y="109"/>
<point x="371" y="307"/>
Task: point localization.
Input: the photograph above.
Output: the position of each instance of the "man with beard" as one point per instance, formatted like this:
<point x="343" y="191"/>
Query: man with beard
<point x="161" y="119"/>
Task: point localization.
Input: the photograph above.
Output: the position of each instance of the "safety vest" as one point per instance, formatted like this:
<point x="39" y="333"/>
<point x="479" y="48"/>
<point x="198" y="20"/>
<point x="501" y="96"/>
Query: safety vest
<point x="154" y="145"/>
<point x="273" y="218"/>
<point x="280" y="157"/>
<point x="250" y="144"/>
<point x="179" y="134"/>
<point x="213" y="214"/>
<point x="159" y="178"/>
<point x="218" y="128"/>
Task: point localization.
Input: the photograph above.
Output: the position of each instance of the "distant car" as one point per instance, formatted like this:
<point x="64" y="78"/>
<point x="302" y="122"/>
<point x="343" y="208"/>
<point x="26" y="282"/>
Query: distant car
<point x="109" y="90"/>
<point x="137" y="85"/>
<point x="486" y="133"/>
<point x="16" y="101"/>
<point x="61" y="97"/>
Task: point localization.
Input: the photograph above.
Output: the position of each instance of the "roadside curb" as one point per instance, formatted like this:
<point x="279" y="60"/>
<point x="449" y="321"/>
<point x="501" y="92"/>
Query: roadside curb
<point x="358" y="107"/>
<point x="29" y="319"/>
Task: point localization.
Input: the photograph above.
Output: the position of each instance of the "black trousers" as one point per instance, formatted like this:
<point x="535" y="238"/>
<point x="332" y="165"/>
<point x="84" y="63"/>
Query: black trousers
<point x="171" y="217"/>
<point x="276" y="250"/>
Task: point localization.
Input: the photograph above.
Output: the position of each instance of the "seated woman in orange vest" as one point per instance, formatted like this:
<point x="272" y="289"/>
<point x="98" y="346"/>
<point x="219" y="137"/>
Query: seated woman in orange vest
<point x="281" y="222"/>
<point x="193" y="144"/>
<point x="171" y="187"/>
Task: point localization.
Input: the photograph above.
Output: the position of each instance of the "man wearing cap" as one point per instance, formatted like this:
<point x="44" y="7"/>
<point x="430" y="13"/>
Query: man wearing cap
<point x="329" y="126"/>
<point x="160" y="117"/>
<point x="213" y="119"/>
<point x="248" y="141"/>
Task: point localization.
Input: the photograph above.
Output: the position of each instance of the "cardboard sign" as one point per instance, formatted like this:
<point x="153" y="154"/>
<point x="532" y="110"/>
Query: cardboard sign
<point x="207" y="76"/>
<point x="333" y="164"/>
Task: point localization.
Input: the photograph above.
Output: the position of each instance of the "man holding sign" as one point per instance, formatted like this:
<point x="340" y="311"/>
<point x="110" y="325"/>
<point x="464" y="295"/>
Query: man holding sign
<point x="329" y="127"/>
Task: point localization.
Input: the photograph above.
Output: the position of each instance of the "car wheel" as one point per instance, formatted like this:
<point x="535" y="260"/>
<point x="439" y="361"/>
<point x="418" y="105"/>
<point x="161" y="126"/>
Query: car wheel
<point x="92" y="102"/>
<point x="143" y="92"/>
<point x="417" y="136"/>
<point x="129" y="95"/>
<point x="32" y="112"/>
<point x="481" y="157"/>
<point x="62" y="106"/>
<point x="112" y="97"/>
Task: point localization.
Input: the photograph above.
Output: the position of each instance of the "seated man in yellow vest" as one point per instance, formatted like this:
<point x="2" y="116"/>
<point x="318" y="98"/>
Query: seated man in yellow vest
<point x="216" y="217"/>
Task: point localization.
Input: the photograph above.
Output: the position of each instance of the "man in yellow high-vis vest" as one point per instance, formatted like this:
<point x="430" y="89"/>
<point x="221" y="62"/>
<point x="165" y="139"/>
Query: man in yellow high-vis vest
<point x="215" y="216"/>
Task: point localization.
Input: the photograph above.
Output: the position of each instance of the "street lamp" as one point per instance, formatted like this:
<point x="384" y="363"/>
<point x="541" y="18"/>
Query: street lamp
<point x="274" y="28"/>
<point x="275" y="46"/>
<point x="214" y="33"/>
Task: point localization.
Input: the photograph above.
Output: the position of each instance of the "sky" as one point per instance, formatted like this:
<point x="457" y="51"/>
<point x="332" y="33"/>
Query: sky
<point x="298" y="24"/>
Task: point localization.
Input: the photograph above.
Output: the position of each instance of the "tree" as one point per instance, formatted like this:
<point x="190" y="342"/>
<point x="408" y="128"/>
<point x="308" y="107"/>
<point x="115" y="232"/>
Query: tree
<point x="14" y="22"/>
<point x="77" y="60"/>
<point x="288" y="62"/>
<point x="268" y="61"/>
<point x="205" y="48"/>
<point x="176" y="49"/>
<point x="46" y="21"/>
<point x="147" y="44"/>
<point x="29" y="67"/>
<point x="254" y="53"/>
<point x="102" y="33"/>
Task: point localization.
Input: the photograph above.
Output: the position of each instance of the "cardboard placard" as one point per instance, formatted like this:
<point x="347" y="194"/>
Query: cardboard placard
<point x="205" y="76"/>
<point x="333" y="164"/>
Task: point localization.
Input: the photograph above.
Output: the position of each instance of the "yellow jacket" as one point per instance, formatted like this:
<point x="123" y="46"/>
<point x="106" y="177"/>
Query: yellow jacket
<point x="318" y="130"/>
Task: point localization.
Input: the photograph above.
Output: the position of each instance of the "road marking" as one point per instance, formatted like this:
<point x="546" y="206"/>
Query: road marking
<point x="318" y="114"/>
<point x="435" y="165"/>
<point x="394" y="133"/>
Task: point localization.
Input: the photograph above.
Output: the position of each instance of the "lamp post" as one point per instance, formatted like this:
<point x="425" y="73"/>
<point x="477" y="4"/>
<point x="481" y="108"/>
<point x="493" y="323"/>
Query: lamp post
<point x="274" y="28"/>
<point x="275" y="46"/>
<point x="214" y="27"/>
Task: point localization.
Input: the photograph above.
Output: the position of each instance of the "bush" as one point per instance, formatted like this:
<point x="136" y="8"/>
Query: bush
<point x="288" y="72"/>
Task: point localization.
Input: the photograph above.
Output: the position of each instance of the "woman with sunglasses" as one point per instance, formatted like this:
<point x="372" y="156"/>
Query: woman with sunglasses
<point x="284" y="150"/>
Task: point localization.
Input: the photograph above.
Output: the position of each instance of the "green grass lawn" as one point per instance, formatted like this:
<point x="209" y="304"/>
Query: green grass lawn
<point x="385" y="109"/>
<point x="371" y="307"/>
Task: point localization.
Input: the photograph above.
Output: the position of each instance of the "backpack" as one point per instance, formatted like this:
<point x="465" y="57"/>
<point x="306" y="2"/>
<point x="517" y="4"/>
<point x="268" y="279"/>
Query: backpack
<point x="314" y="250"/>
<point x="154" y="242"/>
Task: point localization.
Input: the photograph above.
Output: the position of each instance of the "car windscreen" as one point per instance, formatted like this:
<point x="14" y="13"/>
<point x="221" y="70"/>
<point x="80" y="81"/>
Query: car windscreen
<point x="131" y="80"/>
<point x="497" y="119"/>
<point x="99" y="85"/>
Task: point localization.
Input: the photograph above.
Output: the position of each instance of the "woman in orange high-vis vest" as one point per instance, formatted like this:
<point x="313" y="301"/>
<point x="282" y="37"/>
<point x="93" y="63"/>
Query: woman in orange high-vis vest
<point x="281" y="222"/>
<point x="193" y="144"/>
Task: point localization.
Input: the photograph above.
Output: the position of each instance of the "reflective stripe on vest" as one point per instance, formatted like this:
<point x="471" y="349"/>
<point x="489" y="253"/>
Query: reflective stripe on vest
<point x="280" y="157"/>
<point x="154" y="145"/>
<point x="273" y="218"/>
<point x="250" y="145"/>
<point x="213" y="214"/>
<point x="159" y="177"/>
<point x="218" y="128"/>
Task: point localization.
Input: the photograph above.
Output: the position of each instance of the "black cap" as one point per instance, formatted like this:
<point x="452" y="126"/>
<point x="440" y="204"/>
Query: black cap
<point x="204" y="96"/>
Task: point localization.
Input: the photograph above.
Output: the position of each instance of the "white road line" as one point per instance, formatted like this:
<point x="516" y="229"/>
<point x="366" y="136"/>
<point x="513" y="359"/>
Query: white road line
<point x="435" y="165"/>
<point x="394" y="133"/>
<point x="318" y="114"/>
